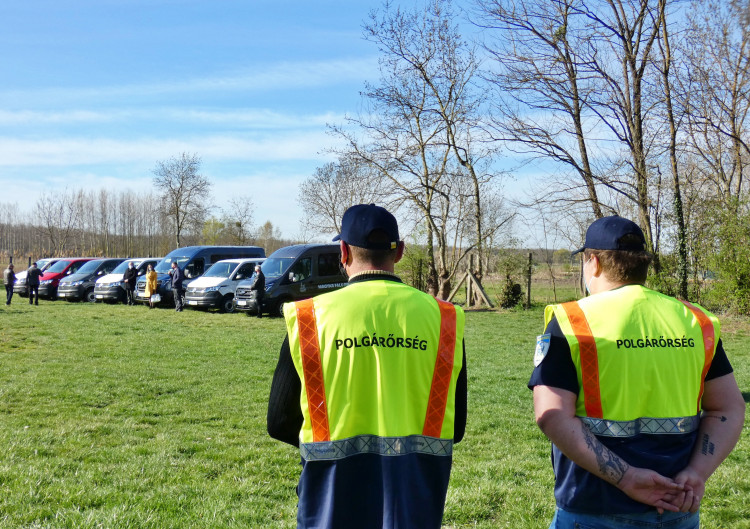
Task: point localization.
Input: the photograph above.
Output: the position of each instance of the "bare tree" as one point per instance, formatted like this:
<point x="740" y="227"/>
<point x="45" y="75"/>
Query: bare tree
<point x="409" y="135"/>
<point x="59" y="217"/>
<point x="268" y="236"/>
<point x="715" y="95"/>
<point x="678" y="210"/>
<point x="542" y="90"/>
<point x="335" y="186"/>
<point x="185" y="192"/>
<point x="238" y="218"/>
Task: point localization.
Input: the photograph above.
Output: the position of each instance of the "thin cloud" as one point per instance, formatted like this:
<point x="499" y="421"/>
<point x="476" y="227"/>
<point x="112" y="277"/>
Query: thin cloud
<point x="246" y="118"/>
<point x="283" y="76"/>
<point x="94" y="151"/>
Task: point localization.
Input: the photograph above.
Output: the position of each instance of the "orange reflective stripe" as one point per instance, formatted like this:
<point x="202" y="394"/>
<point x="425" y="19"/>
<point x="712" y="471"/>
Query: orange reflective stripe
<point x="313" y="370"/>
<point x="443" y="372"/>
<point x="707" y="328"/>
<point x="592" y="398"/>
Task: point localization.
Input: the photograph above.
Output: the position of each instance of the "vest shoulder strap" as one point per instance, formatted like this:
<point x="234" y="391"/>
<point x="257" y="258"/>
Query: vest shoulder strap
<point x="441" y="375"/>
<point x="592" y="398"/>
<point x="312" y="370"/>
<point x="709" y="339"/>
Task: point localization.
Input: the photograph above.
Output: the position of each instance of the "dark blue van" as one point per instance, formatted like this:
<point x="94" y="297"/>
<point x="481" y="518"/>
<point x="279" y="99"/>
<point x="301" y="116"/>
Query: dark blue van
<point x="293" y="273"/>
<point x="193" y="261"/>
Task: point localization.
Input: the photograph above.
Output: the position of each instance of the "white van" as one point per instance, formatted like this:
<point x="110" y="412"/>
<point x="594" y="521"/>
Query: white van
<point x="111" y="286"/>
<point x="216" y="287"/>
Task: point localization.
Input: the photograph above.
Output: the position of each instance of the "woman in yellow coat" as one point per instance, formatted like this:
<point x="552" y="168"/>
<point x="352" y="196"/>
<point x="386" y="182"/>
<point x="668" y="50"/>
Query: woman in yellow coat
<point x="152" y="285"/>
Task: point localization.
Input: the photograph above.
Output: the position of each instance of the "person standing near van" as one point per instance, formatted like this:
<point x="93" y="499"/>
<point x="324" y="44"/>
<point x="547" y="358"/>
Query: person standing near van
<point x="371" y="386"/>
<point x="9" y="279"/>
<point x="152" y="285"/>
<point x="259" y="286"/>
<point x="178" y="277"/>
<point x="129" y="278"/>
<point x="32" y="283"/>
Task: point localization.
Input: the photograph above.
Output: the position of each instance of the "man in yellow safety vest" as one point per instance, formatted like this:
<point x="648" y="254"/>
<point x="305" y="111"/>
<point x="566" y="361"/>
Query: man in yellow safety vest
<point x="635" y="392"/>
<point x="371" y="386"/>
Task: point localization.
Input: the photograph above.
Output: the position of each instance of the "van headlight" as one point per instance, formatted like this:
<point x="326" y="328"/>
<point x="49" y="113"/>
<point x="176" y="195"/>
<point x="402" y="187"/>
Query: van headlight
<point x="76" y="284"/>
<point x="211" y="289"/>
<point x="46" y="282"/>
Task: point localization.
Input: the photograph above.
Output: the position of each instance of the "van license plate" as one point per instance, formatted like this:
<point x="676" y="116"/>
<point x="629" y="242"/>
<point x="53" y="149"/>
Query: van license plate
<point x="99" y="296"/>
<point x="241" y="302"/>
<point x="192" y="302"/>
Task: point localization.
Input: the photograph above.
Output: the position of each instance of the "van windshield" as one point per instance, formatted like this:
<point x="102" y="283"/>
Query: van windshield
<point x="165" y="265"/>
<point x="120" y="269"/>
<point x="276" y="266"/>
<point x="44" y="264"/>
<point x="89" y="267"/>
<point x="221" y="270"/>
<point x="58" y="267"/>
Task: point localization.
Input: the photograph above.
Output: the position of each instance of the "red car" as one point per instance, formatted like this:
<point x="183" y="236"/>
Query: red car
<point x="51" y="278"/>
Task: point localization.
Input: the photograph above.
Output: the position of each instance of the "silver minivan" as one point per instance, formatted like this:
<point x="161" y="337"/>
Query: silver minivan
<point x="216" y="287"/>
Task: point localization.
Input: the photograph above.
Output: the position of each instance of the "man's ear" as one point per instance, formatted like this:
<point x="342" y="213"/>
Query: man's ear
<point x="597" y="266"/>
<point x="344" y="252"/>
<point x="399" y="251"/>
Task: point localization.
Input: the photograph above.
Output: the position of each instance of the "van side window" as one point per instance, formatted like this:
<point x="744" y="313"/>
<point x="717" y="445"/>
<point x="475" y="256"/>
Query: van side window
<point x="194" y="268"/>
<point x="111" y="265"/>
<point x="74" y="268"/>
<point x="216" y="258"/>
<point x="300" y="270"/>
<point x="328" y="264"/>
<point x="245" y="271"/>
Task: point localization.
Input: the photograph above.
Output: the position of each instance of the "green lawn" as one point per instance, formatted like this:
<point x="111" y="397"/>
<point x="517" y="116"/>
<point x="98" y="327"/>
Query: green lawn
<point x="124" y="417"/>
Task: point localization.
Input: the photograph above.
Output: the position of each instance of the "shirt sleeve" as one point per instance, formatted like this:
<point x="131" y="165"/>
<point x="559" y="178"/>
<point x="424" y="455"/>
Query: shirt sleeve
<point x="556" y="368"/>
<point x="284" y="418"/>
<point x="461" y="407"/>
<point x="720" y="365"/>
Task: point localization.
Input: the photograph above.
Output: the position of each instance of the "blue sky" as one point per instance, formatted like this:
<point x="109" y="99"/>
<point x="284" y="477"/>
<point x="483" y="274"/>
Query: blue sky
<point x="94" y="92"/>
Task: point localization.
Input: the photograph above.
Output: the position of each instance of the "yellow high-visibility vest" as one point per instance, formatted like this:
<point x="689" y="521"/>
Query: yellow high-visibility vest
<point x="376" y="358"/>
<point x="640" y="355"/>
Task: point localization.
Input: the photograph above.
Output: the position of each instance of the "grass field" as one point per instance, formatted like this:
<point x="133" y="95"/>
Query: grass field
<point x="124" y="417"/>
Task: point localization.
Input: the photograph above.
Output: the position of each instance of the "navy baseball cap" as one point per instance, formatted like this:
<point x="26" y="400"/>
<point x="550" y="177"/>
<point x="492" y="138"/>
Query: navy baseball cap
<point x="361" y="220"/>
<point x="607" y="234"/>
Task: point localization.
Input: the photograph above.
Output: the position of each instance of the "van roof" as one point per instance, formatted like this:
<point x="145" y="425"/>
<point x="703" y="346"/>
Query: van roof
<point x="242" y="260"/>
<point x="298" y="249"/>
<point x="189" y="250"/>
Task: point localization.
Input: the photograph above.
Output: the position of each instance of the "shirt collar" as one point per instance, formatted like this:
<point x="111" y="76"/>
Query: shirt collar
<point x="371" y="275"/>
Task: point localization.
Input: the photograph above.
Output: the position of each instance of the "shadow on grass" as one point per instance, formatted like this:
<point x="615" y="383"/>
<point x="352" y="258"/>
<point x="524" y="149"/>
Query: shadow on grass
<point x="746" y="396"/>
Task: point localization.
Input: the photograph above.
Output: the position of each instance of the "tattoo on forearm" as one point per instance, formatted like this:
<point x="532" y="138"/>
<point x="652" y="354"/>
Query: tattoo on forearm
<point x="612" y="467"/>
<point x="708" y="446"/>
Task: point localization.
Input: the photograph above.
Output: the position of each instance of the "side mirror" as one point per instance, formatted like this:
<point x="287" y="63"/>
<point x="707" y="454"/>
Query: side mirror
<point x="238" y="277"/>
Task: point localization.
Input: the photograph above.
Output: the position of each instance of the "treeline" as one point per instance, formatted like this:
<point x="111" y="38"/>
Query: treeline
<point x="117" y="224"/>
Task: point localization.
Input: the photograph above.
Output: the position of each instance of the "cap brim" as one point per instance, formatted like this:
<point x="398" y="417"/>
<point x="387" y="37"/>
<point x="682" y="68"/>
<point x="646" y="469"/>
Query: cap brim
<point x="336" y="238"/>
<point x="579" y="250"/>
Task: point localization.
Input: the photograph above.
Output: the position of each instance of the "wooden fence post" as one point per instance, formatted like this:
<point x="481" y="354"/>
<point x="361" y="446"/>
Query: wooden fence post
<point x="528" y="285"/>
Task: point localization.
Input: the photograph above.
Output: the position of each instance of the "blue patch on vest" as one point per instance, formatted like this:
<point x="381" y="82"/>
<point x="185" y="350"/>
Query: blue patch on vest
<point x="542" y="348"/>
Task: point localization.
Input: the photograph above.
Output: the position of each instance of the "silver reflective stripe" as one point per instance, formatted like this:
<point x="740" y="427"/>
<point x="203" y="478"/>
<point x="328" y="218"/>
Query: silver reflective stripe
<point x="373" y="444"/>
<point x="644" y="425"/>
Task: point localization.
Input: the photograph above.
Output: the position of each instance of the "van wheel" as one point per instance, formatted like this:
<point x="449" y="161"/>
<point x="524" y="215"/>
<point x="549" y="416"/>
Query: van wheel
<point x="280" y="306"/>
<point x="227" y="303"/>
<point x="89" y="296"/>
